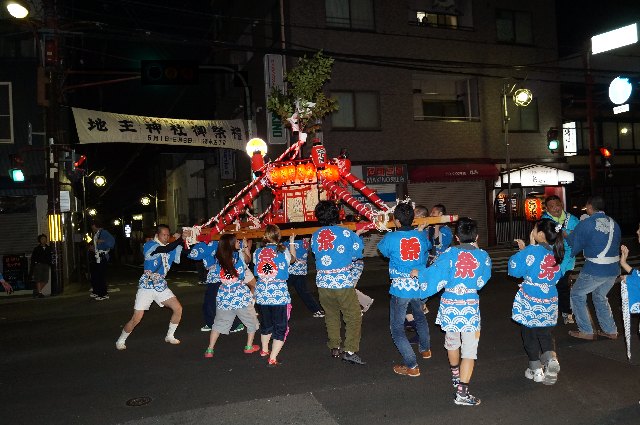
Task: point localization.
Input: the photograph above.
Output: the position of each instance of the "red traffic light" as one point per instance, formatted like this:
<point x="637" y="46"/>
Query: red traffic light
<point x="80" y="161"/>
<point x="605" y="152"/>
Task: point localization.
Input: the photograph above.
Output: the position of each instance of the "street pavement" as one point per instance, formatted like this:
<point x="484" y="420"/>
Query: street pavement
<point x="60" y="366"/>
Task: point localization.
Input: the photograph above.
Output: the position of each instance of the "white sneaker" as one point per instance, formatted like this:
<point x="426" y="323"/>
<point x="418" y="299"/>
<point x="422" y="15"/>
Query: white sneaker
<point x="537" y="375"/>
<point x="120" y="345"/>
<point x="568" y="318"/>
<point x="172" y="340"/>
<point x="205" y="328"/>
<point x="551" y="372"/>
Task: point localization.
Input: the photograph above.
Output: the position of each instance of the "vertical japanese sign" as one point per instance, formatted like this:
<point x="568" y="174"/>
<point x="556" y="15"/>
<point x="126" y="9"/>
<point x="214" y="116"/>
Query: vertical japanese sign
<point x="274" y="77"/>
<point x="227" y="164"/>
<point x="569" y="139"/>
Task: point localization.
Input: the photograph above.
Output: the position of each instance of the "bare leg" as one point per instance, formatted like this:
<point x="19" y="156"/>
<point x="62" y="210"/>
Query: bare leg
<point x="264" y="340"/>
<point x="466" y="370"/>
<point x="275" y="348"/>
<point x="250" y="336"/>
<point x="213" y="338"/>
<point x="176" y="307"/>
<point x="135" y="319"/>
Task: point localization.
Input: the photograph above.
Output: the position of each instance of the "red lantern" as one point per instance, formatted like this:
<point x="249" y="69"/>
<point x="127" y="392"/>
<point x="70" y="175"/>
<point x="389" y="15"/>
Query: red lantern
<point x="257" y="162"/>
<point x="310" y="171"/>
<point x="301" y="172"/>
<point x="318" y="154"/>
<point x="290" y="173"/>
<point x="533" y="209"/>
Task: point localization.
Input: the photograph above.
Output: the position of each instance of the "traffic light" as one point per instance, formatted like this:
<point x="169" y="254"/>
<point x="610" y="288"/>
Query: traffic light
<point x="169" y="72"/>
<point x="15" y="172"/>
<point x="605" y="157"/>
<point x="552" y="139"/>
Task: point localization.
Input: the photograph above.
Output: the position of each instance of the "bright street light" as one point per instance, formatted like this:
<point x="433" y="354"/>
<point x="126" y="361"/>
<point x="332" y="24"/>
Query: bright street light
<point x="116" y="222"/>
<point x="522" y="97"/>
<point x="17" y="9"/>
<point x="99" y="181"/>
<point x="92" y="212"/>
<point x="145" y="200"/>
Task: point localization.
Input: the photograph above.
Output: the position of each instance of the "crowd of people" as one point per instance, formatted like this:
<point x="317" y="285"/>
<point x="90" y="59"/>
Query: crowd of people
<point x="423" y="261"/>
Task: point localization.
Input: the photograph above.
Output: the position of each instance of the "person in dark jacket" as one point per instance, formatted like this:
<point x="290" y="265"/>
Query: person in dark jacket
<point x="41" y="265"/>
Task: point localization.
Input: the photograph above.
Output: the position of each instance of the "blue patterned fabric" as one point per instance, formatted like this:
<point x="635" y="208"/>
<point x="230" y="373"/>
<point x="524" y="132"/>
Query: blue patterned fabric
<point x="445" y="239"/>
<point x="461" y="271"/>
<point x="233" y="293"/>
<point x="335" y="249"/>
<point x="406" y="250"/>
<point x="299" y="267"/>
<point x="536" y="302"/>
<point x="570" y="222"/>
<point x="633" y="287"/>
<point x="272" y="271"/>
<point x="156" y="266"/>
<point x="591" y="236"/>
<point x="205" y="253"/>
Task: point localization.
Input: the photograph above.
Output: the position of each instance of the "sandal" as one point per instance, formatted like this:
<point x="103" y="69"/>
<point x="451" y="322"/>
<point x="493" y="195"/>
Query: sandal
<point x="208" y="353"/>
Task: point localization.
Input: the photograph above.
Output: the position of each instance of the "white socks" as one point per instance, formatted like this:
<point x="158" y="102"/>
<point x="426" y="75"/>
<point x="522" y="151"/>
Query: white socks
<point x="170" y="338"/>
<point x="120" y="342"/>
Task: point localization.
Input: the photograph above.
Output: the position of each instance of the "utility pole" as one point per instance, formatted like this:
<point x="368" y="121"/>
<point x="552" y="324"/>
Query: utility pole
<point x="53" y="75"/>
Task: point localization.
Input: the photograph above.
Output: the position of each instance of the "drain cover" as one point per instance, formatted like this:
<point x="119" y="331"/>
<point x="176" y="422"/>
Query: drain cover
<point x="138" y="401"/>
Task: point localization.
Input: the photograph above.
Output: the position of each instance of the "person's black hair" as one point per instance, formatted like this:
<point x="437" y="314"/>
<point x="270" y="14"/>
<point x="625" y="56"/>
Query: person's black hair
<point x="40" y="237"/>
<point x="224" y="254"/>
<point x="551" y="198"/>
<point x="467" y="230"/>
<point x="440" y="207"/>
<point x="596" y="202"/>
<point x="162" y="226"/>
<point x="404" y="213"/>
<point x="420" y="211"/>
<point x="553" y="237"/>
<point x="97" y="222"/>
<point x="327" y="213"/>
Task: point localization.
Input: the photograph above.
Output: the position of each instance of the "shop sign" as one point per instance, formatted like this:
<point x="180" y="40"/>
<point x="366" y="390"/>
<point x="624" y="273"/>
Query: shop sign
<point x="385" y="174"/>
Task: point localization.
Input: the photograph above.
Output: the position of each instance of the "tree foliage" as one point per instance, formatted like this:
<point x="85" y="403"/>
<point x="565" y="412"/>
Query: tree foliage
<point x="304" y="94"/>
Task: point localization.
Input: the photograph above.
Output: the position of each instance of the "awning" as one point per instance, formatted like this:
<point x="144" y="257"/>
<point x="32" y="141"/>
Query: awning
<point x="535" y="175"/>
<point x="451" y="172"/>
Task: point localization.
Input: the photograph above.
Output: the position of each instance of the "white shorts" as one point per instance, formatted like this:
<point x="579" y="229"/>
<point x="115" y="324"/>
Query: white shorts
<point x="248" y="275"/>
<point x="466" y="341"/>
<point x="145" y="297"/>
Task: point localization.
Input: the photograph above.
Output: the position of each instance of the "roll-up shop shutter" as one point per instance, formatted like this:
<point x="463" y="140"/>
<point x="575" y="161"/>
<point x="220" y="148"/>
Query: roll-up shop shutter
<point x="463" y="198"/>
<point x="20" y="233"/>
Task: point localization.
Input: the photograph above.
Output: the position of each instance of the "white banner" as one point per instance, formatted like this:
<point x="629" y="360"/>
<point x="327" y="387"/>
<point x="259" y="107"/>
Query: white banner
<point x="274" y="77"/>
<point x="107" y="127"/>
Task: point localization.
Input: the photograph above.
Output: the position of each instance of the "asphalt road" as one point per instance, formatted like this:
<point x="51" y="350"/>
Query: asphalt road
<point x="59" y="365"/>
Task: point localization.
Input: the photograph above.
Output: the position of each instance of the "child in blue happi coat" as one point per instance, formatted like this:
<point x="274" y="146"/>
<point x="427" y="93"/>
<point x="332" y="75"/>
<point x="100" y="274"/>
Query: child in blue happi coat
<point x="462" y="271"/>
<point x="298" y="275"/>
<point x="630" y="291"/>
<point x="272" y="295"/>
<point x="535" y="306"/>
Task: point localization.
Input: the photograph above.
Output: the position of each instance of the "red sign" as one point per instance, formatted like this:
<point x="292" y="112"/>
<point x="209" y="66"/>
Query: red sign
<point x="385" y="174"/>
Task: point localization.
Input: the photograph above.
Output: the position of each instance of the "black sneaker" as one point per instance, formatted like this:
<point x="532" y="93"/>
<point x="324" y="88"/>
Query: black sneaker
<point x="352" y="358"/>
<point x="466" y="400"/>
<point x="336" y="353"/>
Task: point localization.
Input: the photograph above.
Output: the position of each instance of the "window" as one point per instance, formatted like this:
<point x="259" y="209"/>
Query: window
<point x="445" y="97"/>
<point x="351" y="14"/>
<point x="437" y="19"/>
<point x="358" y="111"/>
<point x="514" y="27"/>
<point x="523" y="118"/>
<point x="6" y="112"/>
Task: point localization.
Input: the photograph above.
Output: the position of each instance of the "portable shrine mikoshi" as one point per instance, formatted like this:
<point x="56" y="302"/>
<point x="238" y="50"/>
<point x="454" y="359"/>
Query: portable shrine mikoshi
<point x="297" y="185"/>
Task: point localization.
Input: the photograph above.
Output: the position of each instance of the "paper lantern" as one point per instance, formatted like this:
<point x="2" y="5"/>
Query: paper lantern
<point x="318" y="155"/>
<point x="275" y="176"/>
<point x="310" y="171"/>
<point x="290" y="172"/>
<point x="301" y="172"/>
<point x="533" y="209"/>
<point x="257" y="161"/>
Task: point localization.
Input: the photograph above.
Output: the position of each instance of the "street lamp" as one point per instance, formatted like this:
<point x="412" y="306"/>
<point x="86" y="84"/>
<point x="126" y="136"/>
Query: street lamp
<point x="92" y="212"/>
<point x="145" y="200"/>
<point x="521" y="97"/>
<point x="116" y="222"/>
<point x="17" y="9"/>
<point x="99" y="181"/>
